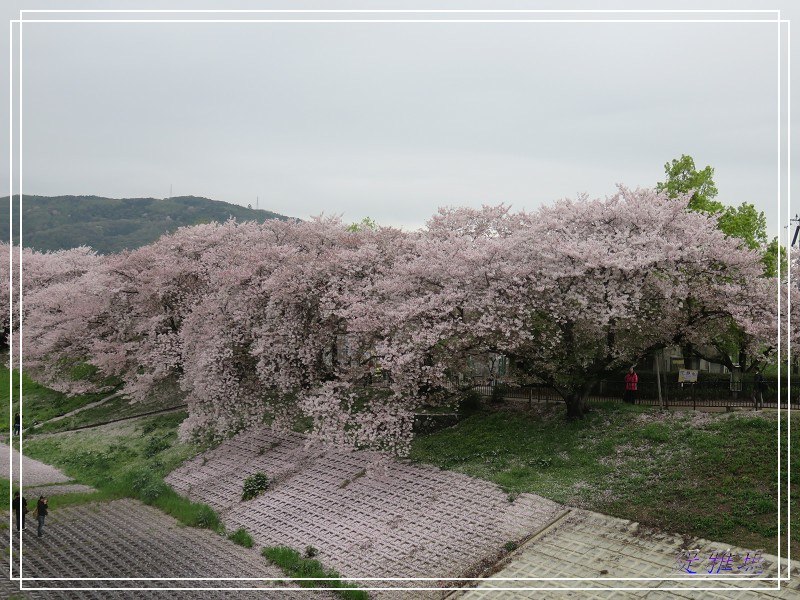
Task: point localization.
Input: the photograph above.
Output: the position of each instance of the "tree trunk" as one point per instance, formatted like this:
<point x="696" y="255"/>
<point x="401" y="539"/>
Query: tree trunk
<point x="690" y="361"/>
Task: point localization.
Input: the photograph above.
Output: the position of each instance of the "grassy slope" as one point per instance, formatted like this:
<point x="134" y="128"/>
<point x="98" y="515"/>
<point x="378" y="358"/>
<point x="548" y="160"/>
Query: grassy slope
<point x="127" y="460"/>
<point x="39" y="403"/>
<point x="715" y="477"/>
<point x="119" y="407"/>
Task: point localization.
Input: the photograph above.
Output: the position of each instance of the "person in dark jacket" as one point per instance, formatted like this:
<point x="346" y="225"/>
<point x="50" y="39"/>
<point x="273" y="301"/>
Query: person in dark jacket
<point x="631" y="385"/>
<point x="759" y="387"/>
<point x="41" y="513"/>
<point x="19" y="517"/>
<point x="17" y="424"/>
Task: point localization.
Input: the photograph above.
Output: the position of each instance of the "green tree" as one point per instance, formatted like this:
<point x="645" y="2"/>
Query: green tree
<point x="684" y="178"/>
<point x="744" y="222"/>
<point x="362" y="225"/>
<point x="770" y="259"/>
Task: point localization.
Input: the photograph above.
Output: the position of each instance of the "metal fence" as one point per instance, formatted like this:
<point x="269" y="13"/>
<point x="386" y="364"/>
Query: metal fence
<point x="700" y="394"/>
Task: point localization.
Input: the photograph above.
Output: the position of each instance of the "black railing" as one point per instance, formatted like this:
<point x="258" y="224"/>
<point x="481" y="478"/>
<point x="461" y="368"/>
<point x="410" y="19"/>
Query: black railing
<point x="700" y="394"/>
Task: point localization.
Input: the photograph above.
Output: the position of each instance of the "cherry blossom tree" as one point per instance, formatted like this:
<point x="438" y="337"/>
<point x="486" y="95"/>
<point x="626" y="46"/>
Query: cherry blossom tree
<point x="628" y="275"/>
<point x="351" y="329"/>
<point x="59" y="295"/>
<point x="570" y="293"/>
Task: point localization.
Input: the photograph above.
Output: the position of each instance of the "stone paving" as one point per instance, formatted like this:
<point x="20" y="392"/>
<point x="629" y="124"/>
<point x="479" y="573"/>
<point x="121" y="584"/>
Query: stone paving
<point x="407" y="520"/>
<point x="125" y="538"/>
<point x="591" y="545"/>
<point x="399" y="520"/>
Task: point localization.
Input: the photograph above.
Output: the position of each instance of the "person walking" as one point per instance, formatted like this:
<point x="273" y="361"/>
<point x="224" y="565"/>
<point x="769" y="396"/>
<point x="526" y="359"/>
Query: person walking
<point x="17" y="424"/>
<point x="41" y="513"/>
<point x="759" y="387"/>
<point x="19" y="517"/>
<point x="631" y="385"/>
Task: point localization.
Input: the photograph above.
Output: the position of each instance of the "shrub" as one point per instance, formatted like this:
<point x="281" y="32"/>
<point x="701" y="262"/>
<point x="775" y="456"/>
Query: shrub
<point x="470" y="402"/>
<point x="241" y="537"/>
<point x="254" y="486"/>
<point x="155" y="445"/>
<point x="510" y="546"/>
<point x="498" y="392"/>
<point x="311" y="552"/>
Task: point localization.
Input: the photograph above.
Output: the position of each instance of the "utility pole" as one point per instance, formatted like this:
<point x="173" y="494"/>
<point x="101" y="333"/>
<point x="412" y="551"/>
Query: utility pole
<point x="796" y="229"/>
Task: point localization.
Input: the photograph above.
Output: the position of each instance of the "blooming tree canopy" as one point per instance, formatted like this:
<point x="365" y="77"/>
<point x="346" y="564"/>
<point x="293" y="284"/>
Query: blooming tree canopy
<point x="348" y="330"/>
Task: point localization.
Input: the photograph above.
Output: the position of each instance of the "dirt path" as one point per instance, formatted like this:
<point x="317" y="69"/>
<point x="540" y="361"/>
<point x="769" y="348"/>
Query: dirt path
<point x="161" y="411"/>
<point x="82" y="408"/>
<point x="33" y="472"/>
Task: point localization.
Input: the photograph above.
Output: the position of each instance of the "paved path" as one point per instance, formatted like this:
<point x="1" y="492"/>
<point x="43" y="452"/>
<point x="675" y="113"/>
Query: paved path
<point x="125" y="538"/>
<point x="33" y="472"/>
<point x="591" y="545"/>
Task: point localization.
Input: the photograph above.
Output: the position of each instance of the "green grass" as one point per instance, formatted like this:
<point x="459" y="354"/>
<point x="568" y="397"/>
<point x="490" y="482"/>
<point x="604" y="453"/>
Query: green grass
<point x="241" y="537"/>
<point x="63" y="500"/>
<point x="716" y="480"/>
<point x="128" y="460"/>
<point x="293" y="564"/>
<point x="5" y="487"/>
<point x="119" y="407"/>
<point x="39" y="403"/>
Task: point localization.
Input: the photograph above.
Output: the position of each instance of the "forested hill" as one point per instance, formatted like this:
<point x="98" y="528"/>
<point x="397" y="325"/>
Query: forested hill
<point x="113" y="224"/>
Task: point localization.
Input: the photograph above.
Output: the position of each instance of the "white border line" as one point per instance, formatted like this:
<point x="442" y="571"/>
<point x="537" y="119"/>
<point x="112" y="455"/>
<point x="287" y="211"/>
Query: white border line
<point x="788" y="298"/>
<point x="778" y="286"/>
<point x="406" y="11"/>
<point x="10" y="283"/>
<point x="779" y="22"/>
<point x="19" y="187"/>
<point x="394" y="21"/>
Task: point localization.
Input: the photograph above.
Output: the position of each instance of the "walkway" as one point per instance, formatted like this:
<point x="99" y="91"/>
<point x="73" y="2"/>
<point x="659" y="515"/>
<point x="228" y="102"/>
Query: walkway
<point x="84" y="407"/>
<point x="34" y="473"/>
<point x="598" y="547"/>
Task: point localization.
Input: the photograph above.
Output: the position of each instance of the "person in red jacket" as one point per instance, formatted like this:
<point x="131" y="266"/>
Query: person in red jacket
<point x="631" y="384"/>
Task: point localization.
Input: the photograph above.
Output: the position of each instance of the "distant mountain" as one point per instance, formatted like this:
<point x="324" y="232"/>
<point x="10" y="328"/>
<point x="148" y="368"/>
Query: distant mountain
<point x="112" y="224"/>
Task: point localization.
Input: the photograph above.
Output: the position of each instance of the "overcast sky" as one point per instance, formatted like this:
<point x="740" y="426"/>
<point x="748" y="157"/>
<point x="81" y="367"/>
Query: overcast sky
<point x="393" y="120"/>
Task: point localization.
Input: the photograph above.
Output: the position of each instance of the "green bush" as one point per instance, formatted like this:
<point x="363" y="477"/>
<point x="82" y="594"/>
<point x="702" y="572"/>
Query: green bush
<point x="470" y="402"/>
<point x="499" y="392"/>
<point x="155" y="445"/>
<point x="241" y="537"/>
<point x="254" y="486"/>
